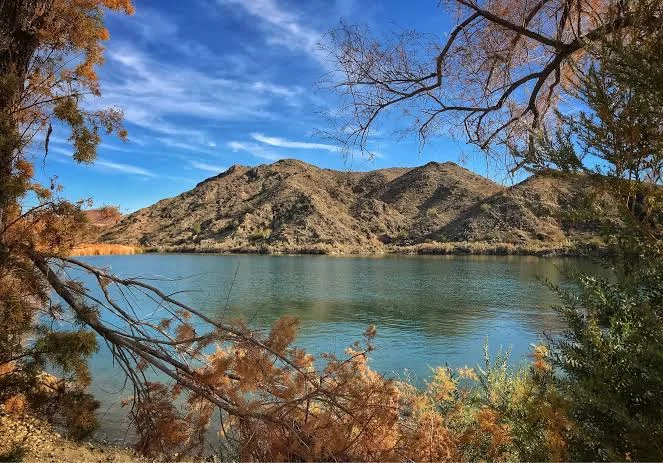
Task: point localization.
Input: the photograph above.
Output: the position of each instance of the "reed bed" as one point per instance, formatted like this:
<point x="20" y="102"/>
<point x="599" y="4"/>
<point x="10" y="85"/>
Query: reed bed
<point x="101" y="249"/>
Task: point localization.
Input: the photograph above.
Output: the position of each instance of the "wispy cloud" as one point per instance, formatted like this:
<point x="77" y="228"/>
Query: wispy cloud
<point x="125" y="147"/>
<point x="156" y="27"/>
<point x="117" y="166"/>
<point x="155" y="93"/>
<point x="283" y="143"/>
<point x="255" y="149"/>
<point x="283" y="28"/>
<point x="180" y="145"/>
<point x="125" y="168"/>
<point x="63" y="150"/>
<point x="207" y="167"/>
<point x="265" y="147"/>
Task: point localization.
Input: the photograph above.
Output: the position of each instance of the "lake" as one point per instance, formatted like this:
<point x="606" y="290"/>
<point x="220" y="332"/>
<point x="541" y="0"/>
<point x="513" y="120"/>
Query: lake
<point x="429" y="310"/>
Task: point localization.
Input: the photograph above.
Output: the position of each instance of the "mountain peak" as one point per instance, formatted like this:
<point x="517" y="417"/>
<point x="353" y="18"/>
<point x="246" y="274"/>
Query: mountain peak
<point x="292" y="162"/>
<point x="273" y="206"/>
<point x="236" y="168"/>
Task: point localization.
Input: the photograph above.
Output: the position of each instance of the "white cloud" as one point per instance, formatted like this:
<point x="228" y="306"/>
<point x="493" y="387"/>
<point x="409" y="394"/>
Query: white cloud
<point x="207" y="167"/>
<point x="175" y="143"/>
<point x="125" y="147"/>
<point x="283" y="27"/>
<point x="266" y="87"/>
<point x="255" y="149"/>
<point x="154" y="26"/>
<point x="62" y="151"/>
<point x="65" y="153"/>
<point x="282" y="143"/>
<point x="125" y="168"/>
<point x="153" y="93"/>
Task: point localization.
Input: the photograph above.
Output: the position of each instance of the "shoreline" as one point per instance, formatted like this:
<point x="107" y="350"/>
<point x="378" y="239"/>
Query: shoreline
<point x="25" y="437"/>
<point x="462" y="248"/>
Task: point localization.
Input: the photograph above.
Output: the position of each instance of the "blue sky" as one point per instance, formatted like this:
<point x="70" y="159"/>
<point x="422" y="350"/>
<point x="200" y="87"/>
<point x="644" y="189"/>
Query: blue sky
<point x="206" y="84"/>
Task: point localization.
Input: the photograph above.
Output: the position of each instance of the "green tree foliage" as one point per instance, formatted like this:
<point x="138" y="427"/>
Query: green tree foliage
<point x="611" y="354"/>
<point x="612" y="357"/>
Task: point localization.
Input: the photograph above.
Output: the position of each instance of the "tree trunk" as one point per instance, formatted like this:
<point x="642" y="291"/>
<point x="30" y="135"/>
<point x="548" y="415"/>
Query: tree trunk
<point x="20" y="22"/>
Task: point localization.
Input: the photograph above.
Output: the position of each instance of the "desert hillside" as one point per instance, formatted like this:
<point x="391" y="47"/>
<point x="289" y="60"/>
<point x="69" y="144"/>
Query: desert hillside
<point x="291" y="206"/>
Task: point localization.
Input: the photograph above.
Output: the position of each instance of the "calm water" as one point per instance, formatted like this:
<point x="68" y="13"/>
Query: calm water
<point x="429" y="310"/>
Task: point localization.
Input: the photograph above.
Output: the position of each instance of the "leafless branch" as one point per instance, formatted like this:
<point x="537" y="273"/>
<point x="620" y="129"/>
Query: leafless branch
<point x="497" y="75"/>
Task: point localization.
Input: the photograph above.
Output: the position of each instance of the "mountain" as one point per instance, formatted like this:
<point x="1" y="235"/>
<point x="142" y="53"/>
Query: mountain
<point x="99" y="220"/>
<point x="291" y="206"/>
<point x="103" y="217"/>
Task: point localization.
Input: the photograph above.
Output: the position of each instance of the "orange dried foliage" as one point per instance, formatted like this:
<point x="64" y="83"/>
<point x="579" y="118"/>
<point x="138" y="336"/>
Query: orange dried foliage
<point x="292" y="407"/>
<point x="158" y="424"/>
<point x="15" y="404"/>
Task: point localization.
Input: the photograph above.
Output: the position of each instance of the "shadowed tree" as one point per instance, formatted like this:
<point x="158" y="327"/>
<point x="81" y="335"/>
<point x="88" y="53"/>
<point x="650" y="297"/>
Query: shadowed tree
<point x="48" y="51"/>
<point x="612" y="350"/>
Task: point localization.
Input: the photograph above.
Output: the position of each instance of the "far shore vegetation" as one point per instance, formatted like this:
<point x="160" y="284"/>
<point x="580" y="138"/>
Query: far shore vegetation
<point x="592" y="248"/>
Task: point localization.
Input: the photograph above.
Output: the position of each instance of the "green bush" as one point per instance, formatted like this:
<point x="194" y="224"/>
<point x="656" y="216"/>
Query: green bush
<point x="612" y="357"/>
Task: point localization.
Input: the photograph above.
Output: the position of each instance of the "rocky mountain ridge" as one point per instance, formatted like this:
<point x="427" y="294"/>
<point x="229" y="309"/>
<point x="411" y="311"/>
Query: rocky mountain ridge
<point x="292" y="206"/>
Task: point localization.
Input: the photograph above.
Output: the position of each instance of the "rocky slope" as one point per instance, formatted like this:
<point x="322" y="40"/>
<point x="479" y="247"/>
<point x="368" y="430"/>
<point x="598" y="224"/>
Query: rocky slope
<point x="291" y="206"/>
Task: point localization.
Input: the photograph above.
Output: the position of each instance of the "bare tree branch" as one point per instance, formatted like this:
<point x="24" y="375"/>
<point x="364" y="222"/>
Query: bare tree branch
<point x="498" y="74"/>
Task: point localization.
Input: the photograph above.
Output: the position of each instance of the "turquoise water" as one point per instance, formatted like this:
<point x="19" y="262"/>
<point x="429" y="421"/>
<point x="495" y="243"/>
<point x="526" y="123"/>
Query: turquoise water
<point x="429" y="310"/>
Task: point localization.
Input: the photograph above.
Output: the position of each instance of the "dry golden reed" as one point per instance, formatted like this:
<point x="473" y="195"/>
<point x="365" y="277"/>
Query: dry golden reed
<point x="101" y="249"/>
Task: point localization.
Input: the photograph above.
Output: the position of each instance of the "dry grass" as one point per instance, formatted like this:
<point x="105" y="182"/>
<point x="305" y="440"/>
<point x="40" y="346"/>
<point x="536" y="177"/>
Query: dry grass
<point x="487" y="248"/>
<point x="568" y="248"/>
<point x="245" y="247"/>
<point x="101" y="249"/>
